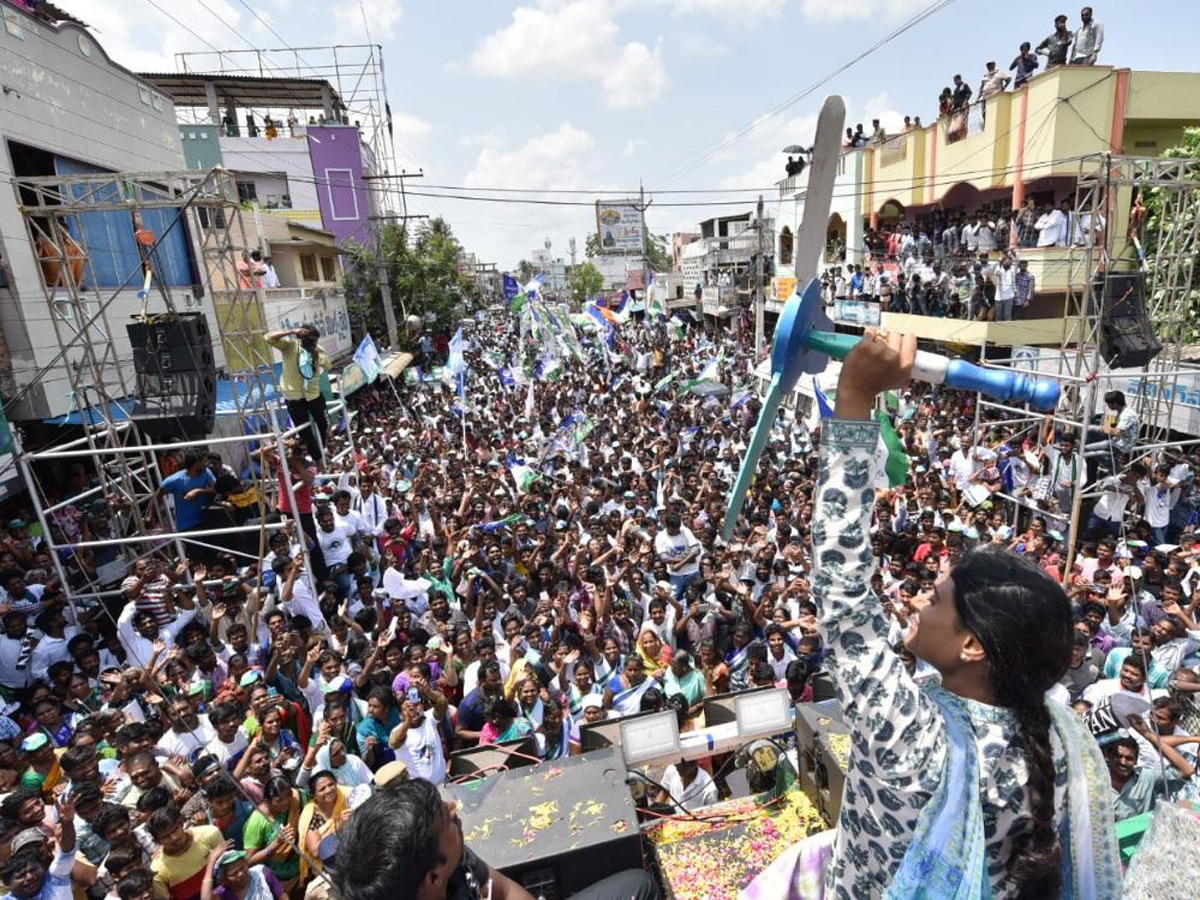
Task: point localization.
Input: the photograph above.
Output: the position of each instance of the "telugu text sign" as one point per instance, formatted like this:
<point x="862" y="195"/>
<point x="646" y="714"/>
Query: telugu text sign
<point x="619" y="226"/>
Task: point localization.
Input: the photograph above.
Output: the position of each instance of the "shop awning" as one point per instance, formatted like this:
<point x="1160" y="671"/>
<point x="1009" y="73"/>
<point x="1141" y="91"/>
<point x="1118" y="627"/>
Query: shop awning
<point x="395" y="364"/>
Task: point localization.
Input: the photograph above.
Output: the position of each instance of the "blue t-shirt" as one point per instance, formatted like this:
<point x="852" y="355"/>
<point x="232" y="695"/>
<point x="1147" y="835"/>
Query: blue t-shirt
<point x="189" y="513"/>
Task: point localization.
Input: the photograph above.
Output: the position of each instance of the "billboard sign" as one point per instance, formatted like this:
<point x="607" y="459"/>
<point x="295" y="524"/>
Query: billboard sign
<point x="619" y="226"/>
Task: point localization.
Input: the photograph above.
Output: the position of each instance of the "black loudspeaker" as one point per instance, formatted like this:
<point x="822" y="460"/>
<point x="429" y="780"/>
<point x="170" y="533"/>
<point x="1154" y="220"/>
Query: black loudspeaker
<point x="176" y="405"/>
<point x="176" y="378"/>
<point x="1127" y="338"/>
<point x="822" y="738"/>
<point x="557" y="827"/>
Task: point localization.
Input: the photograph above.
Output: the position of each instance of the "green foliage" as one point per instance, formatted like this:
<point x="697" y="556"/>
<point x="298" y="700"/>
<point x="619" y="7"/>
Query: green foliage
<point x="585" y="281"/>
<point x="1158" y="236"/>
<point x="422" y="273"/>
<point x="525" y="271"/>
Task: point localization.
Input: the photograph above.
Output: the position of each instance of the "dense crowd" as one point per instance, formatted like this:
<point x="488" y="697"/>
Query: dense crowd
<point x="959" y="263"/>
<point x="533" y="552"/>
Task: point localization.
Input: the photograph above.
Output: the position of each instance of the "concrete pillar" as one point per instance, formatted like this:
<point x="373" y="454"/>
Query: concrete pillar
<point x="214" y="107"/>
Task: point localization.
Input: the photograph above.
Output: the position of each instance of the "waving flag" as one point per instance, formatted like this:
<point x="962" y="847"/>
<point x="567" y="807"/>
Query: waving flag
<point x="709" y="380"/>
<point x="457" y="363"/>
<point x="654" y="302"/>
<point x="489" y="527"/>
<point x="368" y="358"/>
<point x="512" y="287"/>
<point x="823" y="406"/>
<point x="897" y="460"/>
<point x="602" y="314"/>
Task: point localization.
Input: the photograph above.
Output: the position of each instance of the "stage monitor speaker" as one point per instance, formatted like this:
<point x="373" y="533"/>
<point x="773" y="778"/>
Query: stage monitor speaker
<point x="175" y="406"/>
<point x="172" y="342"/>
<point x="822" y="772"/>
<point x="488" y="758"/>
<point x="554" y="828"/>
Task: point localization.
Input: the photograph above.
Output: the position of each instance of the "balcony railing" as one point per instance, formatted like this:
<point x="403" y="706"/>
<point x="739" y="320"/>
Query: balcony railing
<point x="893" y="150"/>
<point x="967" y="122"/>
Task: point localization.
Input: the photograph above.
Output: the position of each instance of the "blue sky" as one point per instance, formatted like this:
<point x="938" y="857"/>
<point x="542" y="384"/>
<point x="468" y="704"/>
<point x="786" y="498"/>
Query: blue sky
<point x="599" y="94"/>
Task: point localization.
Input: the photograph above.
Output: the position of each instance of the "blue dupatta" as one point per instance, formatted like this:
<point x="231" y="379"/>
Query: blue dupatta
<point x="947" y="858"/>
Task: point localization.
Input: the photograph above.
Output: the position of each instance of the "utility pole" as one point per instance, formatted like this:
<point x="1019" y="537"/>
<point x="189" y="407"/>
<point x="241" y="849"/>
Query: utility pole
<point x="760" y="294"/>
<point x="642" y="206"/>
<point x="381" y="271"/>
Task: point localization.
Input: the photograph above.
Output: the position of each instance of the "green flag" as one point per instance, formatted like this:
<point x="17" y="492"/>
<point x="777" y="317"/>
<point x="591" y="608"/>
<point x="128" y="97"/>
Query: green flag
<point x="664" y="381"/>
<point x="896" y="466"/>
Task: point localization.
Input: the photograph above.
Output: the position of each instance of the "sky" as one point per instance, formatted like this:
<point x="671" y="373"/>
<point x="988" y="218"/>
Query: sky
<point x="602" y="96"/>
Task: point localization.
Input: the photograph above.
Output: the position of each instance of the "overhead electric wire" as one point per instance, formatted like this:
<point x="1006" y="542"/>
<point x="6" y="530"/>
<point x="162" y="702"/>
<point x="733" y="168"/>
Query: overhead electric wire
<point x="720" y="144"/>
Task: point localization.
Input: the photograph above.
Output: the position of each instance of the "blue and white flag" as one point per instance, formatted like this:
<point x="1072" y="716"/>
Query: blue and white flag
<point x="456" y="362"/>
<point x="368" y="358"/>
<point x="512" y="287"/>
<point x="506" y="377"/>
<point x="823" y="406"/>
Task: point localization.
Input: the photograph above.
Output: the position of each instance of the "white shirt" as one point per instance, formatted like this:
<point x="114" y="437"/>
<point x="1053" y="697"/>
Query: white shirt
<point x="10" y="652"/>
<point x="962" y="466"/>
<point x="1052" y="229"/>
<point x="1159" y="500"/>
<point x="270" y="278"/>
<point x="700" y="793"/>
<point x="186" y="742"/>
<point x="422" y="751"/>
<point x="51" y="650"/>
<point x="1113" y="500"/>
<point x="137" y="648"/>
<point x="373" y="510"/>
<point x="303" y="604"/>
<point x="223" y="751"/>
<point x="672" y="547"/>
<point x="335" y="545"/>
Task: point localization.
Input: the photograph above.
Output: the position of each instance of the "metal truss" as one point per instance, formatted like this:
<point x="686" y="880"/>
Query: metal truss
<point x="205" y="205"/>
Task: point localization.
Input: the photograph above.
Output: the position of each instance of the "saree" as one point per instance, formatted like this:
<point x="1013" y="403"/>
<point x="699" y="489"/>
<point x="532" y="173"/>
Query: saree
<point x="628" y="701"/>
<point x="331" y="824"/>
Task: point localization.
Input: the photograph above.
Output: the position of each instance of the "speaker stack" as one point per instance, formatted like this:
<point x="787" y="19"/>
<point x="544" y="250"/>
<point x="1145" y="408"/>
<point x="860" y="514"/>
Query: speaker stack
<point x="1127" y="338"/>
<point x="176" y="376"/>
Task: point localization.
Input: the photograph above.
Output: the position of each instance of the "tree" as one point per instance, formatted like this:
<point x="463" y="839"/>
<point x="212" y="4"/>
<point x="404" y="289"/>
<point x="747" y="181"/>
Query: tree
<point x="585" y="281"/>
<point x="1158" y="205"/>
<point x="525" y="271"/>
<point x="422" y="272"/>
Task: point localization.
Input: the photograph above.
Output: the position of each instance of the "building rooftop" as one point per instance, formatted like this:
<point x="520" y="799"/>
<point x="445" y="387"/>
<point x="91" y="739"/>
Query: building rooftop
<point x="191" y="89"/>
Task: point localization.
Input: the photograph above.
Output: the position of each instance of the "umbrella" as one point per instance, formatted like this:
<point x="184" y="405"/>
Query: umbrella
<point x="793" y="148"/>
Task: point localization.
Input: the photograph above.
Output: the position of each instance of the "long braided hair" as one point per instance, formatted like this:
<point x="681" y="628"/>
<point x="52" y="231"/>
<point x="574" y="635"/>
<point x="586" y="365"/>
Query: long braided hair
<point x="1023" y="621"/>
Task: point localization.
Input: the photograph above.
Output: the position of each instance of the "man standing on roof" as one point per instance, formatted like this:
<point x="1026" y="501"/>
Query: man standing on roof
<point x="303" y="363"/>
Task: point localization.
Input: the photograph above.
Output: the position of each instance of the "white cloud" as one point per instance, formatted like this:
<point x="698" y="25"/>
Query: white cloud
<point x="701" y="47"/>
<point x="564" y="158"/>
<point x="557" y="159"/>
<point x="735" y="12"/>
<point x="632" y="146"/>
<point x="575" y="39"/>
<point x="740" y="11"/>
<point x="382" y="15"/>
<point x="139" y="37"/>
<point x="854" y="10"/>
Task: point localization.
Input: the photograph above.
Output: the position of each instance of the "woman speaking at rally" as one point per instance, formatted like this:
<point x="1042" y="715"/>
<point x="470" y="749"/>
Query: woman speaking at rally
<point x="977" y="787"/>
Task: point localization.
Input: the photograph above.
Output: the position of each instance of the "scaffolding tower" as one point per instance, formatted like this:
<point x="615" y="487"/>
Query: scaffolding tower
<point x="356" y="73"/>
<point x="206" y="207"/>
<point x="1108" y="235"/>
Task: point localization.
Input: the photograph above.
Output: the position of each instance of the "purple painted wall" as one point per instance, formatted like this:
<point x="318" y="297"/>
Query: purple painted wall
<point x="337" y="162"/>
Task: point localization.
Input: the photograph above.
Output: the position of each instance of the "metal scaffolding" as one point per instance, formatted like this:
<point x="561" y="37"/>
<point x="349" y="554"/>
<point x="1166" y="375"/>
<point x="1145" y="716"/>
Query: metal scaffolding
<point x="1105" y="239"/>
<point x="355" y="72"/>
<point x="205" y="206"/>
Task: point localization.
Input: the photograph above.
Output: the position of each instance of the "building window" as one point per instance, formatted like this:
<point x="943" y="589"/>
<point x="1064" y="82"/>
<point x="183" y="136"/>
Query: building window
<point x="329" y="268"/>
<point x="247" y="191"/>
<point x="785" y="246"/>
<point x="308" y="267"/>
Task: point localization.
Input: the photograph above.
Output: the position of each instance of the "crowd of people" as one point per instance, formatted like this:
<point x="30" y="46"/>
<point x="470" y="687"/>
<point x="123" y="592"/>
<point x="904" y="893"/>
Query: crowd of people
<point x="1062" y="47"/>
<point x="517" y="559"/>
